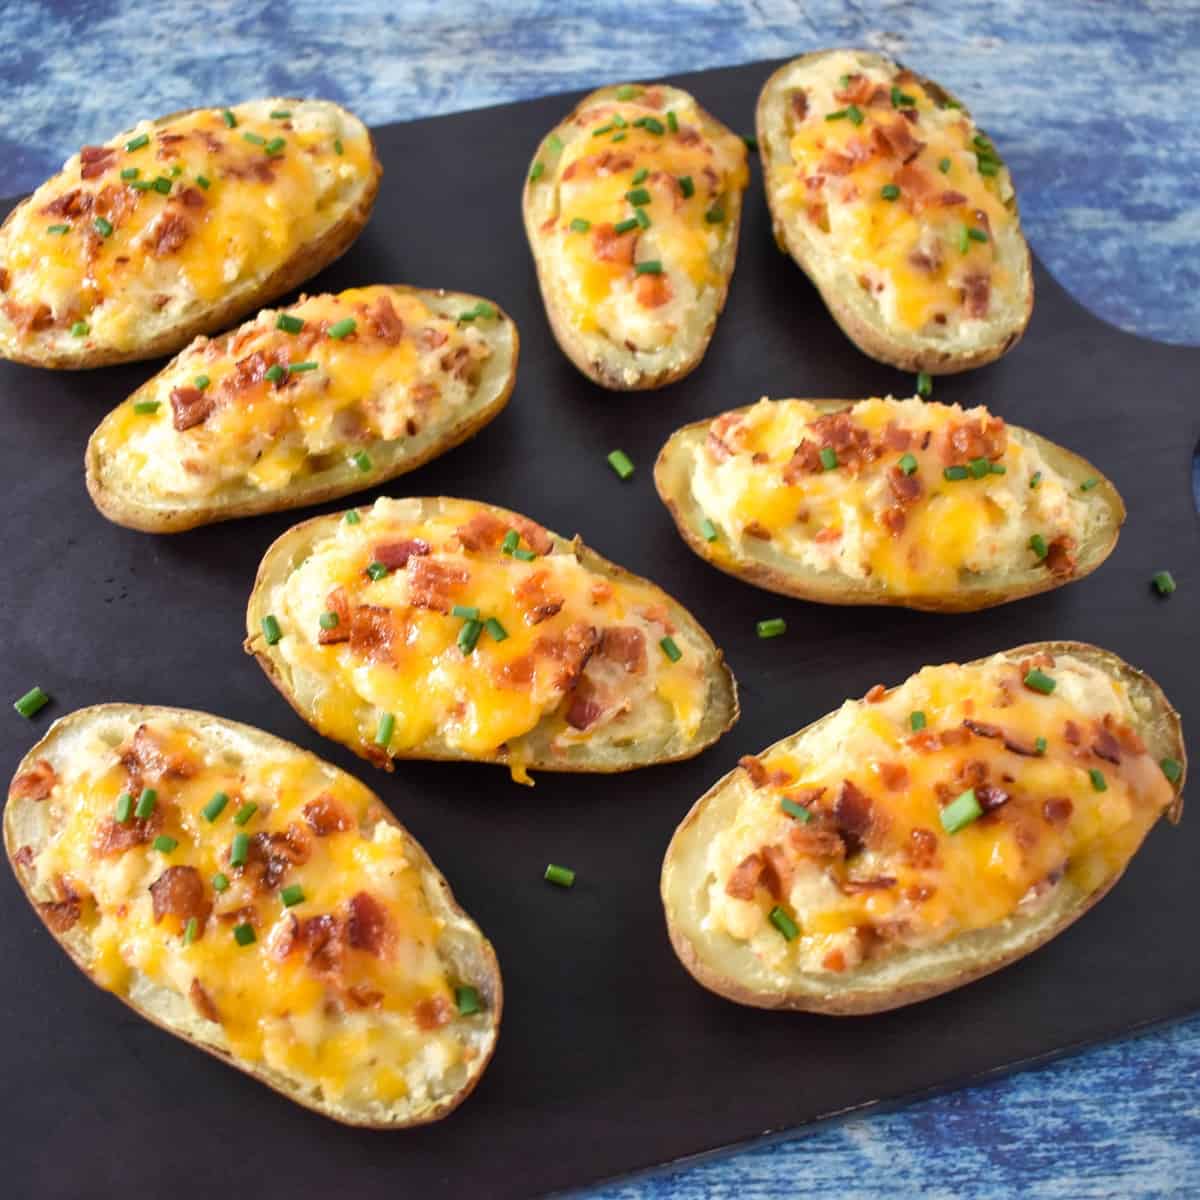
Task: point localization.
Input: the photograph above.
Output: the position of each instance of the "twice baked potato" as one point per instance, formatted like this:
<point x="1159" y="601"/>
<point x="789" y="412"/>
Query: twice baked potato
<point x="258" y="903"/>
<point x="913" y="841"/>
<point x="330" y="396"/>
<point x="884" y="501"/>
<point x="450" y="629"/>
<point x="632" y="208"/>
<point x="898" y="207"/>
<point x="180" y="226"/>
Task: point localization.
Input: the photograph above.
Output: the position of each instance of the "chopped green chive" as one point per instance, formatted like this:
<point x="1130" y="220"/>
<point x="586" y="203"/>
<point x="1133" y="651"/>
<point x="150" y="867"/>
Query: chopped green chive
<point x="191" y="931"/>
<point x="715" y="215"/>
<point x="229" y="119"/>
<point x="292" y="895"/>
<point x="750" y="140"/>
<point x="1099" y="783"/>
<point x="639" y="215"/>
<point x="671" y="650"/>
<point x="1035" y="479"/>
<point x="143" y="185"/>
<point x="201" y="381"/>
<point x="220" y="882"/>
<point x="466" y="1000"/>
<point x="1039" y="681"/>
<point x="362" y="460"/>
<point x="579" y="225"/>
<point x="795" y="810"/>
<point x="961" y="812"/>
<point x="129" y="173"/>
<point x="275" y="373"/>
<point x="271" y="630"/>
<point x="998" y="469"/>
<point x="288" y="323"/>
<point x="829" y="458"/>
<point x="628" y="91"/>
<point x="855" y="114"/>
<point x="511" y="540"/>
<point x="352" y="517"/>
<point x="103" y="226"/>
<point x="987" y="166"/>
<point x="839" y="115"/>
<point x="145" y="805"/>
<point x="621" y="463"/>
<point x="80" y="329"/>
<point x="651" y="125"/>
<point x="162" y="185"/>
<point x="240" y="850"/>
<point x="1039" y="746"/>
<point x="603" y="129"/>
<point x="640" y="174"/>
<point x="964" y="240"/>
<point x="949" y="104"/>
<point x="376" y="570"/>
<point x="481" y="309"/>
<point x="672" y="121"/>
<point x="1163" y="582"/>
<point x="562" y="876"/>
<point x="124" y="808"/>
<point x="328" y="620"/>
<point x="555" y="143"/>
<point x="1171" y="768"/>
<point x="164" y="844"/>
<point x="650" y="266"/>
<point x="301" y="368"/>
<point x="979" y="467"/>
<point x="708" y="530"/>
<point x="902" y="99"/>
<point x="204" y="182"/>
<point x="784" y="923"/>
<point x="944" y="166"/>
<point x="215" y="807"/>
<point x="343" y="328"/>
<point x="497" y="631"/>
<point x="524" y="555"/>
<point x="907" y="464"/>
<point x="145" y="407"/>
<point x="1088" y="484"/>
<point x="638" y="196"/>
<point x="175" y="171"/>
<point x="255" y="139"/>
<point x="281" y="114"/>
<point x="916" y="720"/>
<point x="466" y="611"/>
<point x="770" y="628"/>
<point x="468" y="635"/>
<point x="142" y="139"/>
<point x="686" y="186"/>
<point x="59" y="229"/>
<point x="244" y="813"/>
<point x="953" y="473"/>
<point x="1037" y="544"/>
<point x="244" y="934"/>
<point x="536" y="173"/>
<point x="925" y="384"/>
<point x="626" y="225"/>
<point x="618" y="137"/>
<point x="977" y="235"/>
<point x="890" y="191"/>
<point x="338" y="148"/>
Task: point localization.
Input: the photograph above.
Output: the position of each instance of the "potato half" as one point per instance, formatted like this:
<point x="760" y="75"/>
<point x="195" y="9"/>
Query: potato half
<point x="632" y="208"/>
<point x="368" y="384"/>
<point x="914" y="503"/>
<point x="911" y="842"/>
<point x="451" y="629"/>
<point x="258" y="903"/>
<point x="898" y="207"/>
<point x="180" y="226"/>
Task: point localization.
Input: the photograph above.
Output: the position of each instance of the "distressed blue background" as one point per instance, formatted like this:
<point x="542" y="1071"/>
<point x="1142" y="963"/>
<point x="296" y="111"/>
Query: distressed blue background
<point x="1093" y="106"/>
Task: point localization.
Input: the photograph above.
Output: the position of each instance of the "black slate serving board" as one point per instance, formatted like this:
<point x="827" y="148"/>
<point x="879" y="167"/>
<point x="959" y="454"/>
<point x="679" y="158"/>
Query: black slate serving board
<point x="611" y="1060"/>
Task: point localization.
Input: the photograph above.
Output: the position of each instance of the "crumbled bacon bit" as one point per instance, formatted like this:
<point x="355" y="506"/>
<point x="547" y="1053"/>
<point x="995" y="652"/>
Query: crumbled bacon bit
<point x="384" y="322"/>
<point x="61" y="915"/>
<point x="395" y="554"/>
<point x="573" y="648"/>
<point x="115" y="837"/>
<point x="977" y="290"/>
<point x="179" y="891"/>
<point x="717" y="448"/>
<point x="1060" y="559"/>
<point x="1129" y="740"/>
<point x="95" y="160"/>
<point x="433" y="584"/>
<point x="203" y="1002"/>
<point x="1071" y="733"/>
<point x="991" y="797"/>
<point x="338" y="603"/>
<point x="856" y="89"/>
<point x="777" y="871"/>
<point x="745" y="878"/>
<point x="482" y="532"/>
<point x="271" y="855"/>
<point x="516" y="673"/>
<point x="326" y="816"/>
<point x="983" y="729"/>
<point x="918" y="893"/>
<point x="810" y="842"/>
<point x="367" y="924"/>
<point x="610" y="246"/>
<point x="169" y="234"/>
<point x="875" y="694"/>
<point x="982" y="437"/>
<point x="853" y="814"/>
<point x="584" y="709"/>
<point x="362" y="996"/>
<point x="24" y="857"/>
<point x="757" y="530"/>
<point x="877" y="884"/>
<point x="1107" y="747"/>
<point x="755" y="769"/>
<point x="190" y="197"/>
<point x="538" y="603"/>
<point x="835" y="960"/>
<point x="432" y="1013"/>
<point x="34" y="784"/>
<point x="373" y="631"/>
<point x="75" y="203"/>
<point x="191" y="407"/>
<point x="799" y="104"/>
<point x="1057" y="810"/>
<point x="894" y="776"/>
<point x="652" y="291"/>
<point x="625" y="645"/>
<point x="921" y="851"/>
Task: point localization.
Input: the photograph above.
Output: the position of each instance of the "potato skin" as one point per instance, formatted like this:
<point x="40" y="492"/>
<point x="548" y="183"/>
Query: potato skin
<point x="671" y="480"/>
<point x="306" y="261"/>
<point x="997" y="948"/>
<point x="135" y="714"/>
<point x="870" y="336"/>
<point x="346" y="479"/>
<point x="290" y="545"/>
<point x="615" y="367"/>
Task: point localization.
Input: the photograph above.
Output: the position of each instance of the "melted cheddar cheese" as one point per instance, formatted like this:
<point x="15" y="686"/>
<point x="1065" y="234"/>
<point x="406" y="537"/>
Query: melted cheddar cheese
<point x="900" y="181"/>
<point x="370" y="365"/>
<point x="317" y="958"/>
<point x="638" y="199"/>
<point x="917" y="497"/>
<point x="172" y="216"/>
<point x="418" y="633"/>
<point x="952" y="803"/>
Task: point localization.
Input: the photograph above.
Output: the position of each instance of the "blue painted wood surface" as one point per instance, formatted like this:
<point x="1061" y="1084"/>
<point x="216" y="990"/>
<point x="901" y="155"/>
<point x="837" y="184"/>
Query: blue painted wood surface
<point x="1093" y="106"/>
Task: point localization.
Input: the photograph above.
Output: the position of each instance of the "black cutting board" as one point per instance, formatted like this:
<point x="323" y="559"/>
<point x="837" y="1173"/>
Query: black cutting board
<point x="611" y="1060"/>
